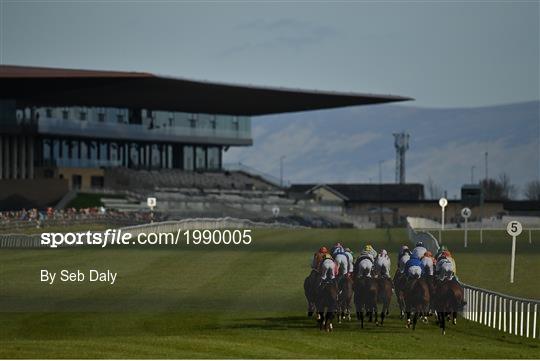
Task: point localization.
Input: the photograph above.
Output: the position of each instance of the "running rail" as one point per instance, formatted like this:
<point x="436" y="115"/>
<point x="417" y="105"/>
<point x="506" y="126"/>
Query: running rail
<point x="514" y="315"/>
<point x="517" y="316"/>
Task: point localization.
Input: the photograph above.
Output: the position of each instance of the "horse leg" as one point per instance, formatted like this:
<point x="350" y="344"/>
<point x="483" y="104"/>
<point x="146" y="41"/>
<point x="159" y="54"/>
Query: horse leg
<point x="361" y="318"/>
<point x="320" y="319"/>
<point x="408" y="313"/>
<point x="454" y="317"/>
<point x="443" y="322"/>
<point x="415" y="320"/>
<point x="311" y="309"/>
<point x="329" y="318"/>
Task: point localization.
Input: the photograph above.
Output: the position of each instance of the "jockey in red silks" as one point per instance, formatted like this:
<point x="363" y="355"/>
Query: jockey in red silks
<point x="318" y="257"/>
<point x="428" y="263"/>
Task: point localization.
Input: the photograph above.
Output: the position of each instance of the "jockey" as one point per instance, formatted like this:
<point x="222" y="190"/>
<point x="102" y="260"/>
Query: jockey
<point x="344" y="261"/>
<point x="318" y="257"/>
<point x="328" y="268"/>
<point x="419" y="250"/>
<point x="446" y="266"/>
<point x="364" y="263"/>
<point x="403" y="257"/>
<point x="441" y="249"/>
<point x="341" y="258"/>
<point x="428" y="263"/>
<point x="350" y="259"/>
<point x="369" y="248"/>
<point x="382" y="264"/>
<point x="337" y="248"/>
<point x="414" y="267"/>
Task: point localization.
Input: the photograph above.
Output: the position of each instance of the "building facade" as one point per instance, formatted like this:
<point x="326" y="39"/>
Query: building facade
<point x="70" y="125"/>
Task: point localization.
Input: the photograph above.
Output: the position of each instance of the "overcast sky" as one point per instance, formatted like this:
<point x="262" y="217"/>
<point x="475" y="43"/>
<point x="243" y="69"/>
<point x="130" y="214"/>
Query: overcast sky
<point x="444" y="54"/>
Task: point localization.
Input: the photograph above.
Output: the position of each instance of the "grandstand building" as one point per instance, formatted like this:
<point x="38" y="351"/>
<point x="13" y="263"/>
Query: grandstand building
<point x="66" y="129"/>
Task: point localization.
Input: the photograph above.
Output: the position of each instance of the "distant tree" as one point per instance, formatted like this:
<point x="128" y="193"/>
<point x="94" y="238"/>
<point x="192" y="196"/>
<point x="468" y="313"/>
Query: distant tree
<point x="532" y="190"/>
<point x="498" y="189"/>
<point x="434" y="191"/>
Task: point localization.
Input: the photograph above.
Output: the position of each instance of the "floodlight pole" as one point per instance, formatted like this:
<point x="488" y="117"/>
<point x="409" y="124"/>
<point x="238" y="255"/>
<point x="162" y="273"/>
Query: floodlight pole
<point x="281" y="170"/>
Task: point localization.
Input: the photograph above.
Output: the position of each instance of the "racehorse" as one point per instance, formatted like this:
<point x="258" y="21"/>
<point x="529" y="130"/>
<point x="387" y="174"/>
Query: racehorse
<point x="365" y="298"/>
<point x="384" y="295"/>
<point x="310" y="291"/>
<point x="326" y="299"/>
<point x="399" y="284"/>
<point x="417" y="300"/>
<point x="345" y="295"/>
<point x="449" y="300"/>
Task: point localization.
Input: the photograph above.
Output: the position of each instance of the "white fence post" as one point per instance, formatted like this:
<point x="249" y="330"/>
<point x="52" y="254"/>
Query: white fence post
<point x="496" y="310"/>
<point x="534" y="320"/>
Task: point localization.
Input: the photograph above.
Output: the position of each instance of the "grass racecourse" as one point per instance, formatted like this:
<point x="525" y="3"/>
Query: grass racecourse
<point x="237" y="302"/>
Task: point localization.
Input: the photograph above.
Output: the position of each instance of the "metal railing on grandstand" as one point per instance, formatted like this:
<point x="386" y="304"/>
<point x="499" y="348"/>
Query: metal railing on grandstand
<point x="517" y="316"/>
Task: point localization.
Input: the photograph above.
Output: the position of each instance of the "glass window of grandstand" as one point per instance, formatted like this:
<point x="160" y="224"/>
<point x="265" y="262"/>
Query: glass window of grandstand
<point x="101" y="117"/>
<point x="97" y="182"/>
<point x="213" y="121"/>
<point x="213" y="158"/>
<point x="65" y="114"/>
<point x="236" y="124"/>
<point x="48" y="113"/>
<point x="188" y="157"/>
<point x="120" y="118"/>
<point x="82" y="115"/>
<point x="200" y="158"/>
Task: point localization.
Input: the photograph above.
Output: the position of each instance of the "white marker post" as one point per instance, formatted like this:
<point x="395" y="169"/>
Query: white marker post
<point x="443" y="202"/>
<point x="514" y="229"/>
<point x="151" y="202"/>
<point x="466" y="213"/>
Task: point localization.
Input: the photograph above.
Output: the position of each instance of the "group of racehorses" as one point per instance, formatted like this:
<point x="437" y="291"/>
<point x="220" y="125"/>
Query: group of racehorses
<point x="417" y="298"/>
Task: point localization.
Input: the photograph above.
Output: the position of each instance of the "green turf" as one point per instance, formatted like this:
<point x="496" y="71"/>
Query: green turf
<point x="215" y="302"/>
<point x="88" y="200"/>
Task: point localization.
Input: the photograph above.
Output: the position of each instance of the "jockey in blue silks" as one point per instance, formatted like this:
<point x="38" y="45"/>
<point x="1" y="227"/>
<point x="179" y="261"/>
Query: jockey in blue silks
<point x="414" y="267"/>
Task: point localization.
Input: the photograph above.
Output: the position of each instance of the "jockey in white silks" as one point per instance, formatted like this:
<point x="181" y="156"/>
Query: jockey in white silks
<point x="428" y="263"/>
<point x="419" y="250"/>
<point x="350" y="258"/>
<point x="382" y="264"/>
<point x="445" y="268"/>
<point x="341" y="259"/>
<point x="328" y="268"/>
<point x="403" y="257"/>
<point x="364" y="263"/>
<point x="337" y="248"/>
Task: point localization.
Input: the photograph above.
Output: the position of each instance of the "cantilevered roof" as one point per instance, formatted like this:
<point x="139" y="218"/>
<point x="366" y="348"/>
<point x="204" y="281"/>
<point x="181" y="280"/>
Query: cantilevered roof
<point x="36" y="86"/>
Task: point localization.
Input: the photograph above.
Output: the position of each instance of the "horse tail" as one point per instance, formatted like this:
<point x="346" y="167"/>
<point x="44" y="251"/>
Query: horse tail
<point x="365" y="271"/>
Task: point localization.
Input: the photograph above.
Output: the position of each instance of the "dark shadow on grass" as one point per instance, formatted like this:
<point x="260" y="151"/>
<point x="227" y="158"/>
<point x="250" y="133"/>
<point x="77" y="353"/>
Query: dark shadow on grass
<point x="305" y="323"/>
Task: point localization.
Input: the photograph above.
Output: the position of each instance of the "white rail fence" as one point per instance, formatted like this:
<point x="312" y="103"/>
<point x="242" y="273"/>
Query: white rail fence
<point x="34" y="241"/>
<point x="514" y="315"/>
<point x="517" y="316"/>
